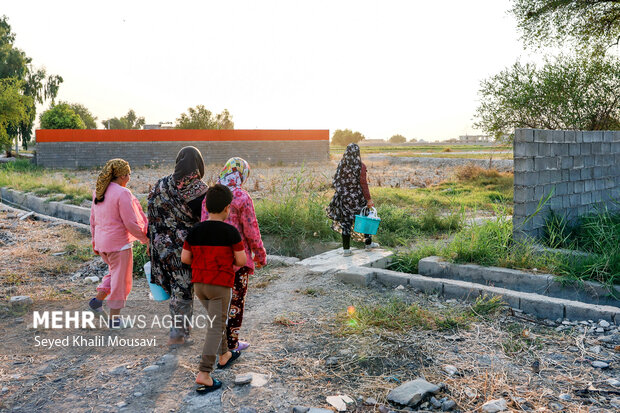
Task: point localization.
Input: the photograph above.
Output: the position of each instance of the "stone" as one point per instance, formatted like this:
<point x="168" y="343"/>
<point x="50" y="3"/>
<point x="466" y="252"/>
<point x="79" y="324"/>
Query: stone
<point x="370" y="401"/>
<point x="600" y="330"/>
<point x="331" y="361"/>
<point x="120" y="405"/>
<point x="448" y="405"/>
<point x="494" y="406"/>
<point x="600" y="364"/>
<point x="436" y="403"/>
<point x="400" y="287"/>
<point x="22" y="302"/>
<point x="337" y="402"/>
<point x="5" y="389"/>
<point x="241" y="379"/>
<point x="258" y="380"/>
<point x="346" y="399"/>
<point x="595" y="349"/>
<point x="300" y="409"/>
<point x="604" y="324"/>
<point x="557" y="407"/>
<point x="118" y="371"/>
<point x="137" y="394"/>
<point x="247" y="410"/>
<point x="606" y="339"/>
<point x="93" y="279"/>
<point x="615" y="402"/>
<point x="565" y="397"/>
<point x="613" y="382"/>
<point x="450" y="369"/>
<point x="151" y="368"/>
<point x="470" y="393"/>
<point x="412" y="392"/>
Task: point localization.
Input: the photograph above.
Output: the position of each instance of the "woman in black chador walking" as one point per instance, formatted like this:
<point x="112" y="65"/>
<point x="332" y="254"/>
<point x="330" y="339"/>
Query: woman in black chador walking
<point x="352" y="195"/>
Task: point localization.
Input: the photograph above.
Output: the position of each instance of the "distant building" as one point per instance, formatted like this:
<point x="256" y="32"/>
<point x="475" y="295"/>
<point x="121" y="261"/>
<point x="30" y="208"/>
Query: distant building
<point x="160" y="125"/>
<point x="474" y="138"/>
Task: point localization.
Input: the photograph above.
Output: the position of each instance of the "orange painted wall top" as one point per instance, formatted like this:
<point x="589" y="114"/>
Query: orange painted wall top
<point x="153" y="135"/>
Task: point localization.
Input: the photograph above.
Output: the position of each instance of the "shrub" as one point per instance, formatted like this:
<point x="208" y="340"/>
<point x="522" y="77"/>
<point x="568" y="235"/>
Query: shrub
<point x="61" y="116"/>
<point x="472" y="172"/>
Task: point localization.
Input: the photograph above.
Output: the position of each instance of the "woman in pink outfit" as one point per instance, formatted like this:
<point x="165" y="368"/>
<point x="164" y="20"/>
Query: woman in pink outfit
<point x="116" y="221"/>
<point x="242" y="217"/>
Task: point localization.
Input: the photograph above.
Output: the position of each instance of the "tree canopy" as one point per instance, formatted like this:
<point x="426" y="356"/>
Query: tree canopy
<point x="586" y="23"/>
<point x="84" y="114"/>
<point x="33" y="82"/>
<point x="577" y="92"/>
<point x="202" y="118"/>
<point x="14" y="109"/>
<point x="398" y="139"/>
<point x="61" y="116"/>
<point x="129" y="121"/>
<point x="344" y="137"/>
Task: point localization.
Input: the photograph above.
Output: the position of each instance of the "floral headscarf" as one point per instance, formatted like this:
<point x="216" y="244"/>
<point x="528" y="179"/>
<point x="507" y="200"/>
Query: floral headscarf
<point x="235" y="173"/>
<point x="114" y="168"/>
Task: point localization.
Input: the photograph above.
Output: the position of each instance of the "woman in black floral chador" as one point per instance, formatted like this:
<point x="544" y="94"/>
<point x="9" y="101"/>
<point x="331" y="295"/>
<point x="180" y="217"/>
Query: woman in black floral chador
<point x="351" y="196"/>
<point x="174" y="206"/>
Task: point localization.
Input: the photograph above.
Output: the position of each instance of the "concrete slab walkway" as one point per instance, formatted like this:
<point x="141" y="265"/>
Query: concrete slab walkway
<point x="333" y="261"/>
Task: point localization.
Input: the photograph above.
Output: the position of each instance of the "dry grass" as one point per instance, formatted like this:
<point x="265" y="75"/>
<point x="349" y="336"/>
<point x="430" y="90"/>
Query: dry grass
<point x="27" y="263"/>
<point x="472" y="172"/>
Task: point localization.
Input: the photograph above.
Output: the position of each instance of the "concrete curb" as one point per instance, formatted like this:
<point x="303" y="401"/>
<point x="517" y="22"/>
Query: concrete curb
<point x="43" y="206"/>
<point x="47" y="218"/>
<point x="281" y="260"/>
<point x="543" y="284"/>
<point x="530" y="303"/>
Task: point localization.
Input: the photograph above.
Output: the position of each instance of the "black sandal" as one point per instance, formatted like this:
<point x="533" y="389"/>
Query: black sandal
<point x="235" y="356"/>
<point x="204" y="389"/>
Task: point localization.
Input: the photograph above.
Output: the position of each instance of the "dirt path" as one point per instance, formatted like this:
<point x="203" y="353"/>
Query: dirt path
<point x="297" y="325"/>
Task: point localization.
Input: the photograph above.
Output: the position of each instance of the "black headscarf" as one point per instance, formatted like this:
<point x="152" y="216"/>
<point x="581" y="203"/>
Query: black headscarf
<point x="348" y="199"/>
<point x="189" y="161"/>
<point x="349" y="169"/>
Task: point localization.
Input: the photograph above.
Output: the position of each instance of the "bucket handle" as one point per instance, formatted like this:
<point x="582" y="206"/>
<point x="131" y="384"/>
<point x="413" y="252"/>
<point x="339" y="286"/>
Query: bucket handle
<point x="368" y="211"/>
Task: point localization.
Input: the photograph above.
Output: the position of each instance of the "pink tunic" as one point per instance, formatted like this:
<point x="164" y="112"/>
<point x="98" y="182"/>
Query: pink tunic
<point x="118" y="220"/>
<point x="243" y="217"/>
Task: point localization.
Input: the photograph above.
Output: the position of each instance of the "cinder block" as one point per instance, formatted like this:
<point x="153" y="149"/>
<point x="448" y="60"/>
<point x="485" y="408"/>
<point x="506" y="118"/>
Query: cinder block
<point x="577" y="161"/>
<point x="361" y="276"/>
<point x="579" y="187"/>
<point x="583" y="311"/>
<point x="574" y="149"/>
<point x="541" y="306"/>
<point x="392" y="278"/>
<point x="545" y="149"/>
<point x="586" y="173"/>
<point x="566" y="162"/>
<point x="570" y="136"/>
<point x="523" y="165"/>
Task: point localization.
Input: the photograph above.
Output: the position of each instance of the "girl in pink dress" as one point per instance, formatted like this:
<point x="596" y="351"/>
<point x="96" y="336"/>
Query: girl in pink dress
<point x="116" y="221"/>
<point x="242" y="217"/>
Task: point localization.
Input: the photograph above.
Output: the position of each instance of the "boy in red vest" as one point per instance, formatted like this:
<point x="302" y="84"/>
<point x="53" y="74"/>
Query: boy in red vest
<point x="211" y="248"/>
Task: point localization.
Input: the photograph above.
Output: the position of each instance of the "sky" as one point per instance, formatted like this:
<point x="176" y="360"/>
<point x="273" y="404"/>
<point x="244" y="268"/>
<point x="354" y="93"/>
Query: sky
<point x="380" y="67"/>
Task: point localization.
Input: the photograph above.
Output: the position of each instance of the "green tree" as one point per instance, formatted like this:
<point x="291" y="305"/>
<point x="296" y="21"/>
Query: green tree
<point x="344" y="137"/>
<point x="398" y="139"/>
<point x="14" y="109"/>
<point x="84" y="114"/>
<point x="129" y="121"/>
<point x="202" y="118"/>
<point x="578" y="92"/>
<point x="586" y="23"/>
<point x="35" y="83"/>
<point x="61" y="116"/>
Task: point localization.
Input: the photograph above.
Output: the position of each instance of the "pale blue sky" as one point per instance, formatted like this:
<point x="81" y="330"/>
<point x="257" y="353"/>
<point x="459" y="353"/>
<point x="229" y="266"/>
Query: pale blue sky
<point x="379" y="67"/>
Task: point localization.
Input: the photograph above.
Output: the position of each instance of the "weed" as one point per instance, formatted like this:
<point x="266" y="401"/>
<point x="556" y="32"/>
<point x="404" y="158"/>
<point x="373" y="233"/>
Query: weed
<point x="408" y="261"/>
<point x="312" y="292"/>
<point x="485" y="305"/>
<point x="140" y="257"/>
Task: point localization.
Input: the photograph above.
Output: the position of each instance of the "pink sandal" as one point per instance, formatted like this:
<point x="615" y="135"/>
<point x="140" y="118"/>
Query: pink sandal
<point x="242" y="345"/>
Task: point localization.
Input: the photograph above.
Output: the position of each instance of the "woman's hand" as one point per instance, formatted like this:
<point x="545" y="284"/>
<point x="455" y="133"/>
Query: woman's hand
<point x="371" y="203"/>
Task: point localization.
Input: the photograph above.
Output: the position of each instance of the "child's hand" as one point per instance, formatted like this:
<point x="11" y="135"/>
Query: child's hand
<point x="371" y="203"/>
<point x="94" y="250"/>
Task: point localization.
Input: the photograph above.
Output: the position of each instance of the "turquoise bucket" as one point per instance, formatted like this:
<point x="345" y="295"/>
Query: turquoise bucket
<point x="158" y="293"/>
<point x="367" y="225"/>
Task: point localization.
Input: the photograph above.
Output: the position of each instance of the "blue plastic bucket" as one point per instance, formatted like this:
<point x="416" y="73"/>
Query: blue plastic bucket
<point x="158" y="293"/>
<point x="366" y="225"/>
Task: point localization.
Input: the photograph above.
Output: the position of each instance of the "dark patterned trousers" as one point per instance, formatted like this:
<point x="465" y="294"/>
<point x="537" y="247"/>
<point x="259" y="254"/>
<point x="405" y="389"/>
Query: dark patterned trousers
<point x="237" y="303"/>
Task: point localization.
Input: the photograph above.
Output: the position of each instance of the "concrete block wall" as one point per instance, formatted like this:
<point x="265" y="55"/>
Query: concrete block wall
<point x="89" y="154"/>
<point x="580" y="169"/>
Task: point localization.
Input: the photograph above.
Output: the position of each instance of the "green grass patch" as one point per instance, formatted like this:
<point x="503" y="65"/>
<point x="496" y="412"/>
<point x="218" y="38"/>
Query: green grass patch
<point x="25" y="176"/>
<point x="140" y="257"/>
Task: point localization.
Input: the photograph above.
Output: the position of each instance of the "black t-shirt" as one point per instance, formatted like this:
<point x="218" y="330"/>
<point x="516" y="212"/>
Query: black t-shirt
<point x="212" y="244"/>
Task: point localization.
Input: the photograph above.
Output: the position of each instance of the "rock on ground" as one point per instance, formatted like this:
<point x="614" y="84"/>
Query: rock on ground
<point x="412" y="392"/>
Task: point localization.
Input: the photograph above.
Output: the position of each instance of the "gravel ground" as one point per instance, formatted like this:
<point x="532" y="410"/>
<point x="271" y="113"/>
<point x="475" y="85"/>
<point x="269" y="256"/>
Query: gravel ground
<point x="295" y="322"/>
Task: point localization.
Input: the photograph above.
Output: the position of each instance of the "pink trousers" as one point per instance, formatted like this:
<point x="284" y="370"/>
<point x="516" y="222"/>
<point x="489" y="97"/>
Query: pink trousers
<point x="118" y="282"/>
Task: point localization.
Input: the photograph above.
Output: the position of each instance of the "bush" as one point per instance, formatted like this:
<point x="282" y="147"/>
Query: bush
<point x="61" y="116"/>
<point x="472" y="172"/>
<point x="344" y="137"/>
<point x="398" y="139"/>
<point x="140" y="257"/>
